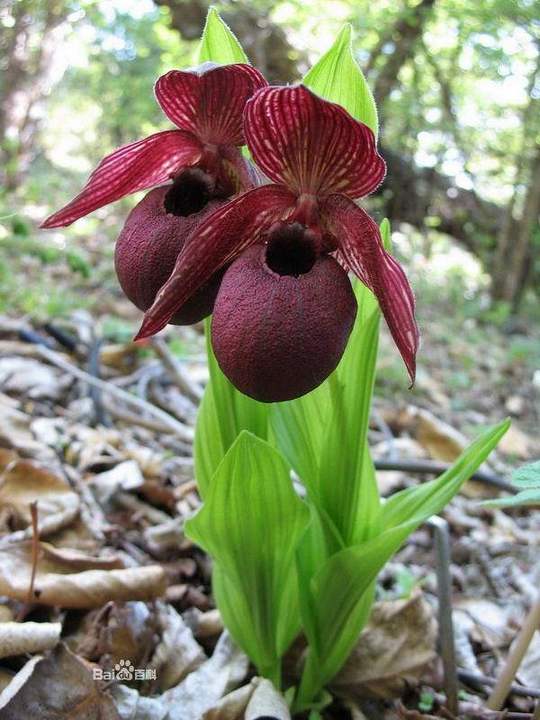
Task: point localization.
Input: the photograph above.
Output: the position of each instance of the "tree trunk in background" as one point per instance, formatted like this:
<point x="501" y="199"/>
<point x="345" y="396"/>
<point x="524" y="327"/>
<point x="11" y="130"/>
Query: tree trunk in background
<point x="405" y="34"/>
<point x="27" y="49"/>
<point x="510" y="267"/>
<point x="520" y="258"/>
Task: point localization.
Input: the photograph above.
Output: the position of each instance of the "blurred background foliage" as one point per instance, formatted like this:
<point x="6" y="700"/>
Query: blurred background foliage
<point x="457" y="85"/>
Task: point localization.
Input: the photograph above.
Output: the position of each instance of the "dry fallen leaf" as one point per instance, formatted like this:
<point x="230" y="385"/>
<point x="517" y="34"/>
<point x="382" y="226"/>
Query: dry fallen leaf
<point x="266" y="702"/>
<point x="34" y="379"/>
<point x="117" y="631"/>
<point x="58" y="687"/>
<point x="392" y="652"/>
<point x="73" y="580"/>
<point x="123" y="477"/>
<point x="442" y="441"/>
<point x="516" y="443"/>
<point x="21" y="483"/>
<point x="233" y="705"/>
<point x="178" y="653"/>
<point x="204" y="687"/>
<point x="15" y="431"/>
<point x="27" y="637"/>
<point x="132" y="706"/>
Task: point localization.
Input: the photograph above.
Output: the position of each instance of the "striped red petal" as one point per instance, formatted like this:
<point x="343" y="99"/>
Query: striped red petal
<point x="218" y="240"/>
<point x="133" y="167"/>
<point x="360" y="245"/>
<point x="209" y="101"/>
<point x="311" y="145"/>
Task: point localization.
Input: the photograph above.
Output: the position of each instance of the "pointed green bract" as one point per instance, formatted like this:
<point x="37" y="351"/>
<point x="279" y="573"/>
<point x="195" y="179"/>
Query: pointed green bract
<point x="337" y="77"/>
<point x="218" y="43"/>
<point x="250" y="523"/>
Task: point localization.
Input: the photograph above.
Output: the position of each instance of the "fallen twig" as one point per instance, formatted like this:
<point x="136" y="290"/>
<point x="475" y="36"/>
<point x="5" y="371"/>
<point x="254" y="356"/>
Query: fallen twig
<point x="182" y="431"/>
<point x="431" y="467"/>
<point x="504" y="682"/>
<point x="190" y="388"/>
<point x="477" y="679"/>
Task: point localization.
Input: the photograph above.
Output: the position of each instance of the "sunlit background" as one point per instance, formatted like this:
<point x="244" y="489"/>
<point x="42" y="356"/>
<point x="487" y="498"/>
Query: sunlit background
<point x="457" y="87"/>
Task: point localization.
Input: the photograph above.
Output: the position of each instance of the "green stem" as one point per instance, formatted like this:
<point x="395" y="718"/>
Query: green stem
<point x="310" y="685"/>
<point x="272" y="673"/>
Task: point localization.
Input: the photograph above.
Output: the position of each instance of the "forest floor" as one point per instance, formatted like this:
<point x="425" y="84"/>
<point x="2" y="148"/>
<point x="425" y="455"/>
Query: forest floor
<point x="111" y="470"/>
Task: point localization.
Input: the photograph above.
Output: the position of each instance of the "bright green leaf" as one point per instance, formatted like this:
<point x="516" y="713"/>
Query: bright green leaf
<point x="299" y="427"/>
<point x="347" y="488"/>
<point x="218" y="42"/>
<point x="250" y="523"/>
<point x="337" y="77"/>
<point x="223" y="414"/>
<point x="341" y="592"/>
<point x="419" y="502"/>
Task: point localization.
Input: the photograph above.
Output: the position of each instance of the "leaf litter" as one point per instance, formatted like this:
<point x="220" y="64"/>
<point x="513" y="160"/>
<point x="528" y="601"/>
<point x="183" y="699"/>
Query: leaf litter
<point x="120" y="618"/>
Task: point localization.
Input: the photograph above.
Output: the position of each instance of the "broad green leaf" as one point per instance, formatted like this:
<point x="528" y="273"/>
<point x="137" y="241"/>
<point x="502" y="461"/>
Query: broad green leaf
<point x="223" y="414"/>
<point x="218" y="43"/>
<point x="299" y="427"/>
<point x="347" y="489"/>
<point x="337" y="77"/>
<point x="347" y="485"/>
<point x="250" y="524"/>
<point x="423" y="501"/>
<point x="339" y="603"/>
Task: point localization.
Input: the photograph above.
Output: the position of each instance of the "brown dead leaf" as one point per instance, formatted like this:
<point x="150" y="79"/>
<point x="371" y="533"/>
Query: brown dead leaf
<point x="516" y="443"/>
<point x="132" y="706"/>
<point x="123" y="477"/>
<point x="489" y="621"/>
<point x="392" y="652"/>
<point x="21" y="483"/>
<point x="118" y="631"/>
<point x="178" y="653"/>
<point x="32" y="378"/>
<point x="267" y="702"/>
<point x="233" y="705"/>
<point x="15" y="431"/>
<point x="27" y="637"/>
<point x="206" y="685"/>
<point x="442" y="441"/>
<point x="72" y="580"/>
<point x="59" y="687"/>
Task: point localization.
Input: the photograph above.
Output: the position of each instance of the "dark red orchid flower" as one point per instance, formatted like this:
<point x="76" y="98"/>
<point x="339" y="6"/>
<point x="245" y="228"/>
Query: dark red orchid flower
<point x="319" y="160"/>
<point x="202" y="156"/>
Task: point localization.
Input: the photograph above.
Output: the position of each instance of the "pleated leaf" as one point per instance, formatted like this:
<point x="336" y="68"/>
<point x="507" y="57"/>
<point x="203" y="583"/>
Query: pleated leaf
<point x="342" y="589"/>
<point x="250" y="524"/>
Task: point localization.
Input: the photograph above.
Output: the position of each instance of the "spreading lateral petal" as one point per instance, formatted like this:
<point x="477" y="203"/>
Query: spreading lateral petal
<point x="137" y="166"/>
<point x="216" y="242"/>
